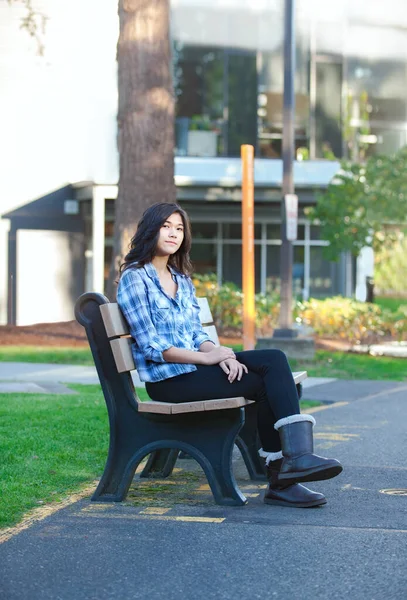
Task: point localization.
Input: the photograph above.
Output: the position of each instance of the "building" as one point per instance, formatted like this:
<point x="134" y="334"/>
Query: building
<point x="351" y="101"/>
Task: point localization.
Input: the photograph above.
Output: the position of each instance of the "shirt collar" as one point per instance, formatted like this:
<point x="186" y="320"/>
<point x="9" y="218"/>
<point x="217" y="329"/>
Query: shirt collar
<point x="152" y="273"/>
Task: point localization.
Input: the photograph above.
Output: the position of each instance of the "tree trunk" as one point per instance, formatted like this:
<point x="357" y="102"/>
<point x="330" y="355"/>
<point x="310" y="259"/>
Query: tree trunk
<point x="145" y="119"/>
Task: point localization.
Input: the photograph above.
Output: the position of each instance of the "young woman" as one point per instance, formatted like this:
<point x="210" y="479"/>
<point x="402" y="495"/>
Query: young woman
<point x="179" y="363"/>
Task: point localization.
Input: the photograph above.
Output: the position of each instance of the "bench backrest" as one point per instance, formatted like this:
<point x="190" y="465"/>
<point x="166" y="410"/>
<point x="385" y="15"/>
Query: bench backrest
<point x="118" y="333"/>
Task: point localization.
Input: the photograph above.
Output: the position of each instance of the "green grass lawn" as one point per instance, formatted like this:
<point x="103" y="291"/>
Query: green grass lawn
<point x="345" y="365"/>
<point x="50" y="446"/>
<point x="348" y="365"/>
<point x="39" y="354"/>
<point x="390" y="303"/>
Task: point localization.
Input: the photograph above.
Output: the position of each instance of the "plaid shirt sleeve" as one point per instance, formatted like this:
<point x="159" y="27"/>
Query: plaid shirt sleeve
<point x="133" y="302"/>
<point x="199" y="336"/>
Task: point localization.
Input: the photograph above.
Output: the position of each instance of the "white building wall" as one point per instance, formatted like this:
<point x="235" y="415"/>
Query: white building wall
<point x="57" y="112"/>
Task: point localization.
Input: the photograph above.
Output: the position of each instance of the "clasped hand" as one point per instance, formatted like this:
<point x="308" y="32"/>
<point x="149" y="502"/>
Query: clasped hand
<point x="233" y="369"/>
<point x="226" y="359"/>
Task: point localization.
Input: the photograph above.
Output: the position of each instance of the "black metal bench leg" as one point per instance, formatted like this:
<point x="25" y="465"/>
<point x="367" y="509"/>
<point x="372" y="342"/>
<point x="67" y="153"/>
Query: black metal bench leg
<point x="249" y="444"/>
<point x="207" y="437"/>
<point x="212" y="447"/>
<point x="160" y="464"/>
<point x="117" y="476"/>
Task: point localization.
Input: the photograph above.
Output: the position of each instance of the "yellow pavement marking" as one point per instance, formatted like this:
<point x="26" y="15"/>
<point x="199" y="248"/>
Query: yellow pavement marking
<point x="335" y="437"/>
<point x="384" y="393"/>
<point x="203" y="488"/>
<point x="38" y="514"/>
<point x="154" y="510"/>
<point x="151" y="517"/>
<point x="394" y="492"/>
<point x="325" y="407"/>
<point x="150" y="482"/>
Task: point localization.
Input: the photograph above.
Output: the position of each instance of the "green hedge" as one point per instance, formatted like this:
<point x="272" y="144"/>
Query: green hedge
<point x="337" y="317"/>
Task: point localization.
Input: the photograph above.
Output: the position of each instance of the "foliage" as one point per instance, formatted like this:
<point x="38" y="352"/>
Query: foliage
<point x="201" y="123"/>
<point x="391" y="268"/>
<point x="34" y="22"/>
<point x="226" y="303"/>
<point x="352" y="321"/>
<point x="361" y="204"/>
<point x="337" y="317"/>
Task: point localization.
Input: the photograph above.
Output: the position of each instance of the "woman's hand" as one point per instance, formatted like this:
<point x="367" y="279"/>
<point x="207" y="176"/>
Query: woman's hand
<point x="217" y="355"/>
<point x="233" y="369"/>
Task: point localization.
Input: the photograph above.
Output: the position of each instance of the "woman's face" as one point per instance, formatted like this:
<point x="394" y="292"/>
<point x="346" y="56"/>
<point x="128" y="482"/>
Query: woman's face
<point x="171" y="236"/>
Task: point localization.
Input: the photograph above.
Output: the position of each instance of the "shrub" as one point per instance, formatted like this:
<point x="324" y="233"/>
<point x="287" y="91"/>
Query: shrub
<point x="337" y="317"/>
<point x="350" y="320"/>
<point x="226" y="303"/>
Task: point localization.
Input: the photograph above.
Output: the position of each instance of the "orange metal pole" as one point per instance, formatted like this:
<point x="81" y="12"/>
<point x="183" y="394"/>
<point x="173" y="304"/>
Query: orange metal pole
<point x="249" y="314"/>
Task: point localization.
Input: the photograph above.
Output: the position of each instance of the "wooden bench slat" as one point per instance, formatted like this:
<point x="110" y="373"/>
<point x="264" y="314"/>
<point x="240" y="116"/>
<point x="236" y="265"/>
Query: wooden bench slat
<point x="174" y="408"/>
<point x="300" y="376"/>
<point x="150" y="406"/>
<point x="123" y="357"/>
<point x="213" y="334"/>
<point x="113" y="320"/>
<point x="186" y="407"/>
<point x="205" y="315"/>
<point x="223" y="403"/>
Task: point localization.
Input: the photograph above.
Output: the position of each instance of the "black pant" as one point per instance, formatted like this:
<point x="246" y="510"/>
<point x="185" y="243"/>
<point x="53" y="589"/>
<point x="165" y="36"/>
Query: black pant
<point x="268" y="382"/>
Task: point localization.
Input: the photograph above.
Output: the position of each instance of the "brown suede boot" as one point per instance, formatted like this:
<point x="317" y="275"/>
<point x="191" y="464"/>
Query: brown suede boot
<point x="294" y="495"/>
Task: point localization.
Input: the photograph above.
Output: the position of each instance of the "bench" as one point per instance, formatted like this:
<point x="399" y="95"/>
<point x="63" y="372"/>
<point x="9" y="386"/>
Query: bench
<point x="206" y="431"/>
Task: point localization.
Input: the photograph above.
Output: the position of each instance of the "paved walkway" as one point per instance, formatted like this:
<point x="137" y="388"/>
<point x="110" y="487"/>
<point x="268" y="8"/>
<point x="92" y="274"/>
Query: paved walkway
<point x="40" y="377"/>
<point x="169" y="540"/>
<point x="15" y="376"/>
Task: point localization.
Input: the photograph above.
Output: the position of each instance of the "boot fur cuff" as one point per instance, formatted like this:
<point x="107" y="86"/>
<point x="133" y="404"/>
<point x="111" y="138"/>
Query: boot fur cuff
<point x="293" y="419"/>
<point x="270" y="456"/>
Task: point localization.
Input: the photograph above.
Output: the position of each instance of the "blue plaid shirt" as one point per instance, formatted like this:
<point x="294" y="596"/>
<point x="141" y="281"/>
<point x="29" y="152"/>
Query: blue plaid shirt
<point x="158" y="322"/>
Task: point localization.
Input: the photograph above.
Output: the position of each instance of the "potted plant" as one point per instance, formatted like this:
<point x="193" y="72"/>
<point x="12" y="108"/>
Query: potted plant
<point x="202" y="136"/>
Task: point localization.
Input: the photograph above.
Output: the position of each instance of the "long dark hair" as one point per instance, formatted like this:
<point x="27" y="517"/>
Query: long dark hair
<point x="143" y="244"/>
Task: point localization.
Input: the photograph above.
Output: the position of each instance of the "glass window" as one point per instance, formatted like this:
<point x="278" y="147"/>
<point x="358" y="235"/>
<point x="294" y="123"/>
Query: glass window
<point x="376" y="102"/>
<point x="228" y="78"/>
<point x="322" y="275"/>
<point x="381" y="140"/>
<point x="232" y="265"/>
<point x="273" y="269"/>
<point x="242" y="100"/>
<point x="274" y="232"/>
<point x="233" y="231"/>
<point x="199" y="91"/>
<point x="270" y="99"/>
<point x="315" y="232"/>
<point x="204" y="231"/>
<point x="109" y="229"/>
<point x="328" y="110"/>
<point x="203" y="257"/>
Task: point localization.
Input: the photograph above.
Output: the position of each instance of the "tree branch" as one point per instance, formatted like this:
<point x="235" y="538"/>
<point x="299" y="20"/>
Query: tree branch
<point x="34" y="22"/>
